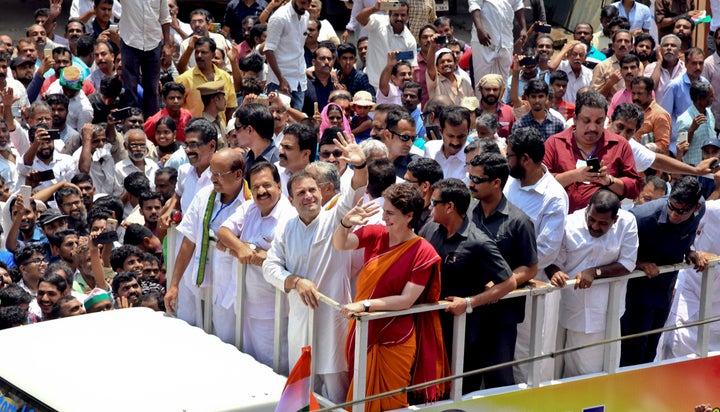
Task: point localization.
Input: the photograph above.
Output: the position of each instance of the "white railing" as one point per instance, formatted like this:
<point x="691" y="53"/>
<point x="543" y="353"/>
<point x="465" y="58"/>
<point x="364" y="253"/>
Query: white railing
<point x="536" y="293"/>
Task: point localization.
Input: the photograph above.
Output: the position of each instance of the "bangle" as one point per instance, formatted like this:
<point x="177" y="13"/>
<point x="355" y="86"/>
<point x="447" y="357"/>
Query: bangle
<point x="343" y="225"/>
<point x="612" y="181"/>
<point x="468" y="306"/>
<point x="296" y="282"/>
<point x="362" y="166"/>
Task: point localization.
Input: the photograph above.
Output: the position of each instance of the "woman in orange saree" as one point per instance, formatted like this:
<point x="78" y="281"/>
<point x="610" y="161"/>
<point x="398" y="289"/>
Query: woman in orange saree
<point x="402" y="270"/>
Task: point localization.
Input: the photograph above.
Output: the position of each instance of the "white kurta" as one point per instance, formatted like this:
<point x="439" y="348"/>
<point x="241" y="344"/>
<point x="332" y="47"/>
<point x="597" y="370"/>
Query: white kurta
<point x="307" y="251"/>
<point x="453" y="166"/>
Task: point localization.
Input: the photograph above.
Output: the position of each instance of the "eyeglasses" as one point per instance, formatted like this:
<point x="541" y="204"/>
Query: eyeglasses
<point x="425" y="115"/>
<point x="335" y="153"/>
<point x="403" y="137"/>
<point x="219" y="175"/>
<point x="477" y="179"/>
<point x="39" y="261"/>
<point x="76" y="203"/>
<point x="435" y="202"/>
<point x="194" y="145"/>
<point x="678" y="210"/>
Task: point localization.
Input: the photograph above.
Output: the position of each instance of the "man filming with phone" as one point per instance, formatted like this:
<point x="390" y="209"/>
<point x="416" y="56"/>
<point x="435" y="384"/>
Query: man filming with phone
<point x="587" y="157"/>
<point x="41" y="157"/>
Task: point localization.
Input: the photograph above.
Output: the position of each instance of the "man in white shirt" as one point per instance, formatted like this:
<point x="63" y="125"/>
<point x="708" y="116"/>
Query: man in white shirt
<point x="198" y="264"/>
<point x="41" y="156"/>
<point x="285" y="48"/>
<point x="454" y="127"/>
<point x="296" y="150"/>
<point x="144" y="31"/>
<point x="301" y="259"/>
<point x="136" y="145"/>
<point x="386" y="33"/>
<point x="600" y="241"/>
<point x="571" y="59"/>
<point x="534" y="190"/>
<point x="492" y="39"/>
<point x="69" y="83"/>
<point x="95" y="159"/>
<point x="200" y="24"/>
<point x="247" y="235"/>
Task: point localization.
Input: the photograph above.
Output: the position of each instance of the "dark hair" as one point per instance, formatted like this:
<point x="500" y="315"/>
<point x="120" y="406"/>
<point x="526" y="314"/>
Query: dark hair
<point x="74" y="20"/>
<point x="169" y="171"/>
<point x="200" y="125"/>
<point x="645" y="37"/>
<point x="12" y="316"/>
<point x="251" y="63"/>
<point x="329" y="135"/>
<point x="622" y="30"/>
<point x="14" y="295"/>
<point x="172" y="87"/>
<point x="454" y="190"/>
<point x="112" y="204"/>
<point x="609" y="12"/>
<point x="604" y="201"/>
<point x="381" y="175"/>
<point x="484" y="145"/>
<point x="630" y="58"/>
<point x="256" y="30"/>
<point x="395" y="116"/>
<point x="259" y="167"/>
<point x="361" y="39"/>
<point x="656" y="182"/>
<point x="259" y="117"/>
<point x="168" y="122"/>
<point x="536" y="86"/>
<point x="135" y="234"/>
<point x="299" y="175"/>
<point x="123" y="277"/>
<point x="111" y="86"/>
<point x="136" y="183"/>
<point x="494" y="165"/>
<point x="699" y="90"/>
<point x="592" y="29"/>
<point x="425" y="169"/>
<point x="407" y="198"/>
<point x="65" y="192"/>
<point x="592" y="99"/>
<point x="23" y="254"/>
<point x="645" y="81"/>
<point x="398" y="64"/>
<point x="98" y="213"/>
<point x="306" y="137"/>
<point x="33" y="206"/>
<point x="85" y="46"/>
<point x="119" y="255"/>
<point x="687" y="191"/>
<point x="346" y="48"/>
<point x="455" y="116"/>
<point x="54" y="279"/>
<point x="57" y="306"/>
<point x="686" y="18"/>
<point x="527" y="140"/>
<point x="58" y="98"/>
<point x="33" y="130"/>
<point x="413" y="85"/>
<point x="629" y="111"/>
<point x="81" y="177"/>
<point x="558" y="75"/>
<point x="145" y="196"/>
<point x="58" y="237"/>
<point x="206" y="40"/>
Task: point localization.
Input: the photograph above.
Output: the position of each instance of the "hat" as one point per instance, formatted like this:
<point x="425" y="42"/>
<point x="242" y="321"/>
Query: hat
<point x="21" y="60"/>
<point x="212" y="88"/>
<point x="50" y="216"/>
<point x="95" y="296"/>
<point x="363" y="98"/>
<point x="71" y="77"/>
<point x="711" y="142"/>
<point x="491" y="80"/>
<point x="442" y="51"/>
<point x="470" y="102"/>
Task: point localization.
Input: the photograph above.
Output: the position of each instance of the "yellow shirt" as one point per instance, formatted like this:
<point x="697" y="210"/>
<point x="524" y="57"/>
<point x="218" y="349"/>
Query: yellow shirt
<point x="193" y="78"/>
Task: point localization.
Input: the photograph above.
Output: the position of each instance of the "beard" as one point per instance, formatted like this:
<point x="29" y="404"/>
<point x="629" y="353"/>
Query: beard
<point x="78" y="223"/>
<point x="517" y="172"/>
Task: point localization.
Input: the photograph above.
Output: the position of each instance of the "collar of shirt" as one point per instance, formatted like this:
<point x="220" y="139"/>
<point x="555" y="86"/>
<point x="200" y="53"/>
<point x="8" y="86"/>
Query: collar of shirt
<point x="541" y="185"/>
<point x="501" y="209"/>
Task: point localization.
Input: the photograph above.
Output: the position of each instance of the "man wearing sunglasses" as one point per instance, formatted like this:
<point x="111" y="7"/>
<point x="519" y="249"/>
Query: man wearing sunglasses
<point x="666" y="229"/>
<point x="399" y="135"/>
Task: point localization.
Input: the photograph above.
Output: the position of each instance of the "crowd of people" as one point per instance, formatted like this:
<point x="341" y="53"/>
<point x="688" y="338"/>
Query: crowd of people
<point x="402" y="168"/>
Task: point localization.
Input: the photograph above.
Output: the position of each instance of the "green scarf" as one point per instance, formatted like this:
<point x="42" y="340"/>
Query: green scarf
<point x="205" y="244"/>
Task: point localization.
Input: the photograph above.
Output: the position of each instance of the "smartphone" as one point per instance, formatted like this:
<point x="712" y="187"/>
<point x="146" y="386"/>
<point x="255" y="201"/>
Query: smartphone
<point x="111" y="225"/>
<point x="389" y="5"/>
<point x="17" y="112"/>
<point x="594" y="164"/>
<point x="682" y="137"/>
<point x="47" y="53"/>
<point x="122" y="114"/>
<point x="441" y="40"/>
<point x="26" y="192"/>
<point x="715" y="165"/>
<point x="405" y="55"/>
<point x="45" y="175"/>
<point x="106" y="238"/>
<point x="54" y="133"/>
<point x="543" y="28"/>
<point x="433" y="132"/>
<point x="114" y="28"/>
<point x="528" y="61"/>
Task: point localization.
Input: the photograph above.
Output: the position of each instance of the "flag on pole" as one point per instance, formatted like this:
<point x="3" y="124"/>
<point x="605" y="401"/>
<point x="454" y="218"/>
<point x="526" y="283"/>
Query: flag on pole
<point x="297" y="395"/>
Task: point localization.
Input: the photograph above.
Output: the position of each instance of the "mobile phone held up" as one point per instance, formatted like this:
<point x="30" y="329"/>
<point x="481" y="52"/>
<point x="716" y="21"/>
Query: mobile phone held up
<point x="405" y="55"/>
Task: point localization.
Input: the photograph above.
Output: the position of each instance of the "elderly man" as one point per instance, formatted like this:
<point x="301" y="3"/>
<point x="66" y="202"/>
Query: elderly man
<point x="571" y="60"/>
<point x="607" y="78"/>
<point x="198" y="265"/>
<point x="136" y="145"/>
<point x="570" y="155"/>
<point x="302" y="273"/>
<point x="668" y="66"/>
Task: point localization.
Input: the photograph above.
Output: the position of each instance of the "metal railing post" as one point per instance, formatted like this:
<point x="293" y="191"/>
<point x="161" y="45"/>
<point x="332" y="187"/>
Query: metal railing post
<point x="360" y="367"/>
<point x="611" y="351"/>
<point x="458" y="355"/>
<point x="277" y="330"/>
<point x="537" y="322"/>
<point x="240" y="305"/>
<point x="171" y="244"/>
<point x="704" y="312"/>
<point x="312" y="341"/>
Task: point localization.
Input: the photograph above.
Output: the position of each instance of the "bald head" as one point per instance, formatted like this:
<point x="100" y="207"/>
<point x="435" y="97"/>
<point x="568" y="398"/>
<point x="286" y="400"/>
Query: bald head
<point x="226" y="171"/>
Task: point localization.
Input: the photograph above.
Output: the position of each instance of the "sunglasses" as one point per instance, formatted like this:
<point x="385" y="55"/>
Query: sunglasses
<point x="435" y="202"/>
<point x="678" y="210"/>
<point x="403" y="137"/>
<point x="335" y="153"/>
<point x="477" y="180"/>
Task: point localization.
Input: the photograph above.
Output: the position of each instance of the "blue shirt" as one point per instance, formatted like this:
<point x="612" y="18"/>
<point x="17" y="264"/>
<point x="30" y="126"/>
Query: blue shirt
<point x="704" y="132"/>
<point x="639" y="17"/>
<point x="38" y="237"/>
<point x="662" y="243"/>
<point x="419" y="123"/>
<point x="676" y="100"/>
<point x="550" y="126"/>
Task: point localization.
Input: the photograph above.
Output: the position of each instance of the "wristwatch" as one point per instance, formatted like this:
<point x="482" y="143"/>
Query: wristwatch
<point x="366" y="305"/>
<point x="468" y="306"/>
<point x="598" y="273"/>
